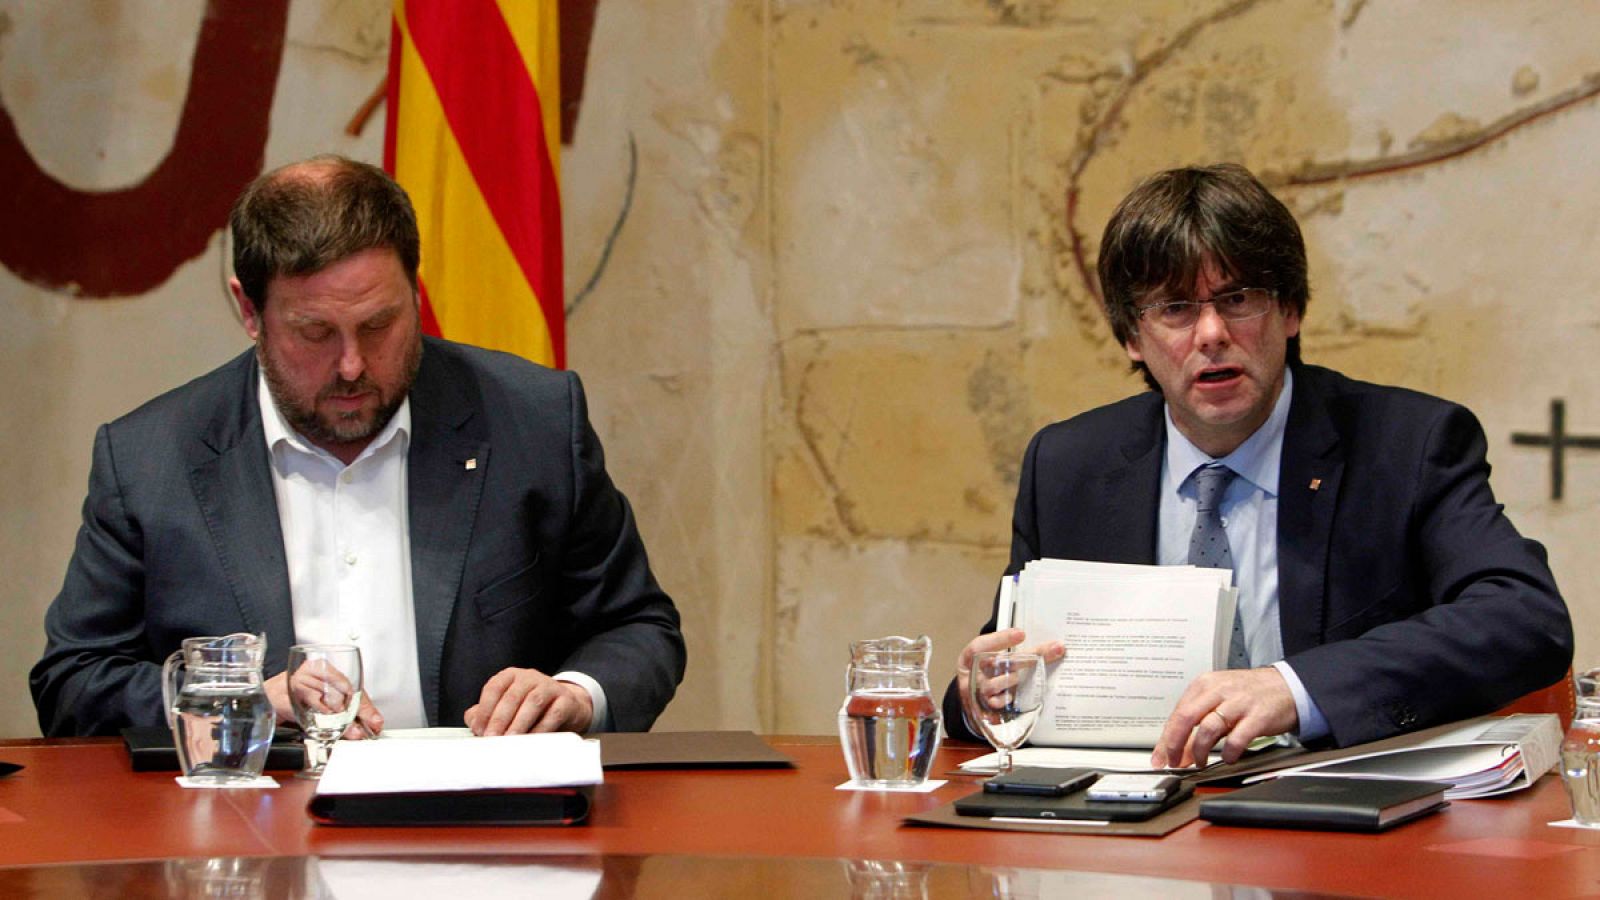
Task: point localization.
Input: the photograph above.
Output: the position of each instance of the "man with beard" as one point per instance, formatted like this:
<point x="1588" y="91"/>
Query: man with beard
<point x="445" y="508"/>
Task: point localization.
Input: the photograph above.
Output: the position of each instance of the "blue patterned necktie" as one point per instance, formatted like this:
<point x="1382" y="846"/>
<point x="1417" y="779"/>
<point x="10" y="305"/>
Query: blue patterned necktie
<point x="1208" y="545"/>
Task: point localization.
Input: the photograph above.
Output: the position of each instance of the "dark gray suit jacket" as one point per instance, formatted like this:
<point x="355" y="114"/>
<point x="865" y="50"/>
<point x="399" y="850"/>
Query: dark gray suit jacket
<point x="1406" y="597"/>
<point x="531" y="558"/>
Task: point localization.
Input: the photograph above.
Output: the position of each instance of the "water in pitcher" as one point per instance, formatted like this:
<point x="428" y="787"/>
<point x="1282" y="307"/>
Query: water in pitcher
<point x="223" y="730"/>
<point x="1580" y="771"/>
<point x="890" y="736"/>
<point x="1580" y="751"/>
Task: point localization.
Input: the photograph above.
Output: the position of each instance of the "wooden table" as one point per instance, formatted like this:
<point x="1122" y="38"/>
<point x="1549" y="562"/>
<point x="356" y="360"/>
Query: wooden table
<point x="78" y="802"/>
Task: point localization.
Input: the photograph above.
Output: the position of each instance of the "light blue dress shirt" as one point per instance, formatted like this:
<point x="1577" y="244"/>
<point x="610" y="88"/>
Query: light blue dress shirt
<point x="1250" y="516"/>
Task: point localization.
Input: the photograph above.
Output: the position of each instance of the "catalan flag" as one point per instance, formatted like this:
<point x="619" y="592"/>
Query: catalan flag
<point x="474" y="136"/>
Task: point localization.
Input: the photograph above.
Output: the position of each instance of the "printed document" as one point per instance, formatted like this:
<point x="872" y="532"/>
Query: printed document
<point x="1135" y="637"/>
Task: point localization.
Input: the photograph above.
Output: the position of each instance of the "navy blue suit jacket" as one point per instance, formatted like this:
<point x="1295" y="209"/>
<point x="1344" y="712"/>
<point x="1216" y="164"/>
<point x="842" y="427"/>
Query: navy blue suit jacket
<point x="1406" y="597"/>
<point x="530" y="558"/>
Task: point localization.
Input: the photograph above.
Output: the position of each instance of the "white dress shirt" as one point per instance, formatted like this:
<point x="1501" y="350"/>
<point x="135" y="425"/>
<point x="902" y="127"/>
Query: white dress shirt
<point x="1250" y="517"/>
<point x="347" y="541"/>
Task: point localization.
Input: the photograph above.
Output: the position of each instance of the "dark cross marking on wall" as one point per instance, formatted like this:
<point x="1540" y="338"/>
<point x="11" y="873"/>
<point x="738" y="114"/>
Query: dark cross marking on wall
<point x="1558" y="440"/>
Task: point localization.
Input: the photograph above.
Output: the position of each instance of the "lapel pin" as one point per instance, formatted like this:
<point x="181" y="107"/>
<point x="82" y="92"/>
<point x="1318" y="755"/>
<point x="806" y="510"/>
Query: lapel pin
<point x="472" y="464"/>
<point x="1315" y="482"/>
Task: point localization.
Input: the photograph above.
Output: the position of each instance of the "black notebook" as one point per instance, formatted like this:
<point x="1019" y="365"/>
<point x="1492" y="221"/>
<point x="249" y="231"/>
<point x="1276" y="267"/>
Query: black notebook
<point x="150" y="749"/>
<point x="531" y="806"/>
<point x="1334" y="804"/>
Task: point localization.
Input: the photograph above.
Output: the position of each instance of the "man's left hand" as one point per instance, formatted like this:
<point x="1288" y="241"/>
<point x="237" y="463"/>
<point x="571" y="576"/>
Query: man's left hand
<point x="1233" y="707"/>
<point x="517" y="701"/>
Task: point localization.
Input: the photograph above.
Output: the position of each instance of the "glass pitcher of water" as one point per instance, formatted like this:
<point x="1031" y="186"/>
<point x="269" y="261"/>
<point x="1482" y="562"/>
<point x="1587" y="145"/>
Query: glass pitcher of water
<point x="1580" y="752"/>
<point x="219" y="713"/>
<point x="889" y="725"/>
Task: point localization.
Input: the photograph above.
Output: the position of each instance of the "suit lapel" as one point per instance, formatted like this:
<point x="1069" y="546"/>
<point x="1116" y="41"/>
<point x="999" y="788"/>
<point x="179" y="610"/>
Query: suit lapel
<point x="1127" y="510"/>
<point x="232" y="485"/>
<point x="446" y="466"/>
<point x="1308" y="494"/>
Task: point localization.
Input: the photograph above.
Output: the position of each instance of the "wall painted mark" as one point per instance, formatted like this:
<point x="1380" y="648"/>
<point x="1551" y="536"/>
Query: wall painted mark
<point x="126" y="242"/>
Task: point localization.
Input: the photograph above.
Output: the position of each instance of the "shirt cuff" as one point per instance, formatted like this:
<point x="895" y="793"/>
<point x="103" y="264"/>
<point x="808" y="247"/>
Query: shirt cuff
<point x="1313" y="724"/>
<point x="597" y="695"/>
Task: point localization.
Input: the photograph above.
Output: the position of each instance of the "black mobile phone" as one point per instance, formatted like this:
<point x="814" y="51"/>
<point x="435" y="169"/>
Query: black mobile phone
<point x="1040" y="781"/>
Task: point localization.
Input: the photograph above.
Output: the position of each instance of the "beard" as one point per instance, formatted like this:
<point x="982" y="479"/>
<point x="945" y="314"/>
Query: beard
<point x="338" y="428"/>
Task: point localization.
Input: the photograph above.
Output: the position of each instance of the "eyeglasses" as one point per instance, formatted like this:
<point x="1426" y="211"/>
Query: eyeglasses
<point x="1234" y="306"/>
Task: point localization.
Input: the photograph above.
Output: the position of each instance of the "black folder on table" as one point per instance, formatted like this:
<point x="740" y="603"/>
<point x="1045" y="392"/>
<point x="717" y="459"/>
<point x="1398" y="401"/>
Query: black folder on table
<point x="689" y="750"/>
<point x="501" y="806"/>
<point x="1326" y="803"/>
<point x="150" y="749"/>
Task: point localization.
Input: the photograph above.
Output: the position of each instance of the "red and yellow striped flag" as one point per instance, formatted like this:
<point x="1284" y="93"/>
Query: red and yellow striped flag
<point x="474" y="136"/>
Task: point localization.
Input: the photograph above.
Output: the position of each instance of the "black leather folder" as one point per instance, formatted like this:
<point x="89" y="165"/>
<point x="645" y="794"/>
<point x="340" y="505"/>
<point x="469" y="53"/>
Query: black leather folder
<point x="150" y="749"/>
<point x="530" y="806"/>
<point x="1326" y="803"/>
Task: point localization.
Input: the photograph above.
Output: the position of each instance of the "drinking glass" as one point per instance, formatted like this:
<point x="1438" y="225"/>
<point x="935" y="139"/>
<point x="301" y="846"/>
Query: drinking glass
<point x="1007" y="692"/>
<point x="325" y="692"/>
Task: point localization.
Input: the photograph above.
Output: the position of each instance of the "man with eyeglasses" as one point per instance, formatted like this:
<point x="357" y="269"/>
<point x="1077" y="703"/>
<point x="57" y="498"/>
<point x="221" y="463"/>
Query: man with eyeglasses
<point x="1381" y="587"/>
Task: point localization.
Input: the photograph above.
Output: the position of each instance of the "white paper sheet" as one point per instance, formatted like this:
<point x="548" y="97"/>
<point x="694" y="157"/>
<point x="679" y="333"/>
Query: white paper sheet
<point x="1481" y="758"/>
<point x="1135" y="637"/>
<point x="472" y="763"/>
<point x="1069" y="758"/>
<point x="424" y="734"/>
<point x="926" y="787"/>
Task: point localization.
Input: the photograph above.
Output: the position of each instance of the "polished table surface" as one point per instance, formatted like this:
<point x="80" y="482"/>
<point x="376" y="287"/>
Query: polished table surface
<point x="585" y="878"/>
<point x="77" y="802"/>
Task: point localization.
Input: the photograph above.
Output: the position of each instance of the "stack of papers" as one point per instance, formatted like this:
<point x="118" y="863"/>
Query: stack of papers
<point x="1090" y="758"/>
<point x="1135" y="637"/>
<point x="1479" y="758"/>
<point x="388" y="766"/>
<point x="1069" y="758"/>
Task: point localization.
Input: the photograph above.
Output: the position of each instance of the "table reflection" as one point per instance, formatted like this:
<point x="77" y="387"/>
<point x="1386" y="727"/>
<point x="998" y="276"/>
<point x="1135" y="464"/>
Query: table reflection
<point x="229" y="877"/>
<point x="874" y="879"/>
<point x="467" y="877"/>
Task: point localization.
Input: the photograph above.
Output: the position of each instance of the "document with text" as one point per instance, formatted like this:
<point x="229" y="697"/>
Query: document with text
<point x="1135" y="637"/>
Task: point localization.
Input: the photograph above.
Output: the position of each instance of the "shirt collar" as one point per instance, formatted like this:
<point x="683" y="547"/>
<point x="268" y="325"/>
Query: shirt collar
<point x="1257" y="460"/>
<point x="280" y="433"/>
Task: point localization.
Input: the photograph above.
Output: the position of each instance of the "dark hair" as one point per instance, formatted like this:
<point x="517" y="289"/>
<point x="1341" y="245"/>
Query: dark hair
<point x="303" y="217"/>
<point x="1164" y="233"/>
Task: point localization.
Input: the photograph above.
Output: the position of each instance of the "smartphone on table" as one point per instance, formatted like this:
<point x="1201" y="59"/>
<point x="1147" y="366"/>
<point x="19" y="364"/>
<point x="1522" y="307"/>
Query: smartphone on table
<point x="1040" y="781"/>
<point x="1134" y="788"/>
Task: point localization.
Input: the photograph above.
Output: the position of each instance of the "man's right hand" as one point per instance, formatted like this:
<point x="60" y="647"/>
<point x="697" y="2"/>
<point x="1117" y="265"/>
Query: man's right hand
<point x="1052" y="651"/>
<point x="368" y="723"/>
